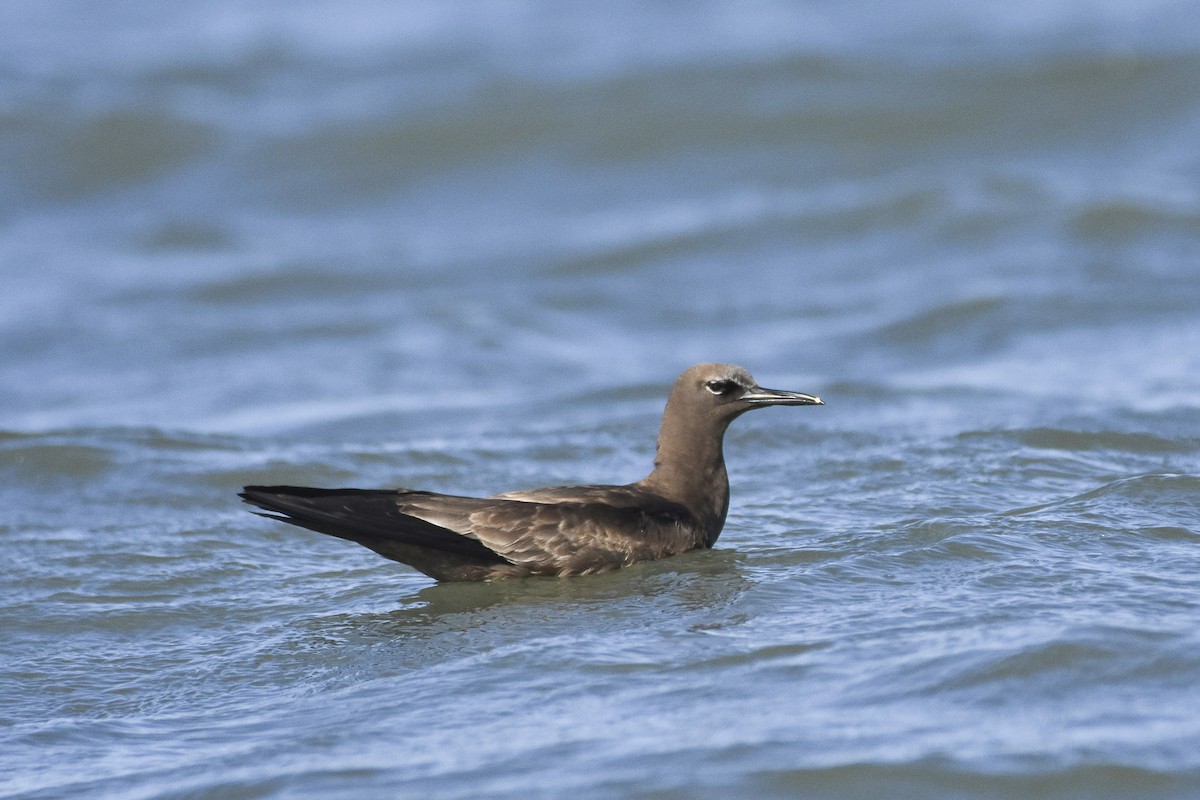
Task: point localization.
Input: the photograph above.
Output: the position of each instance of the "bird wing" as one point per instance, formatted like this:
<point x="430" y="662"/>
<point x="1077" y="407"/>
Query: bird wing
<point x="365" y="516"/>
<point x="567" y="531"/>
<point x="578" y="534"/>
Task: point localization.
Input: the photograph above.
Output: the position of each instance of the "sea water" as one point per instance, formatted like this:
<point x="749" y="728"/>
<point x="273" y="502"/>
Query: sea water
<point x="466" y="247"/>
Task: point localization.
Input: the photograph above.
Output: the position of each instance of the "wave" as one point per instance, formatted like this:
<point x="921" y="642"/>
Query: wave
<point x="944" y="776"/>
<point x="1157" y="499"/>
<point x="1141" y="443"/>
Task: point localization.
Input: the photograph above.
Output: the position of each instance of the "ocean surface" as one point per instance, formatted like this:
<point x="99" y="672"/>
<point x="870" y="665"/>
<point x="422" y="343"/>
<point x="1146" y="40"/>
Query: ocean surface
<point x="467" y="247"/>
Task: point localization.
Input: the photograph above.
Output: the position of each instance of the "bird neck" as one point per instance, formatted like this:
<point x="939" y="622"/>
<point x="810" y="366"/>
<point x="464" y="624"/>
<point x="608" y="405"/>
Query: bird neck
<point x="689" y="469"/>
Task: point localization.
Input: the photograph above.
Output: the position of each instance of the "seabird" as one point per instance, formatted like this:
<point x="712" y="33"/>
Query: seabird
<point x="559" y="530"/>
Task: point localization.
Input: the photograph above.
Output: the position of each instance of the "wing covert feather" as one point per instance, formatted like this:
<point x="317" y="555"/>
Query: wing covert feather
<point x="580" y="535"/>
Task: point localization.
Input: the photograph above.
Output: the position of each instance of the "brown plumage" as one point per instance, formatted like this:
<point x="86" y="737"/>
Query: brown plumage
<point x="560" y="530"/>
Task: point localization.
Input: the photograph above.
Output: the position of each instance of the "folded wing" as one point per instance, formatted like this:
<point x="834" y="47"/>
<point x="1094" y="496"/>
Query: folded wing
<point x="465" y="538"/>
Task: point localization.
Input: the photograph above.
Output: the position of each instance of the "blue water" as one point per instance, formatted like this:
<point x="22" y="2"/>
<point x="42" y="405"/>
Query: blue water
<point x="467" y="248"/>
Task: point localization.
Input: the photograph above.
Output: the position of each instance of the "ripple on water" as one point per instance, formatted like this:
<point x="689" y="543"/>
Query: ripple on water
<point x="1140" y="443"/>
<point x="944" y="777"/>
<point x="54" y="462"/>
<point x="1151" y="501"/>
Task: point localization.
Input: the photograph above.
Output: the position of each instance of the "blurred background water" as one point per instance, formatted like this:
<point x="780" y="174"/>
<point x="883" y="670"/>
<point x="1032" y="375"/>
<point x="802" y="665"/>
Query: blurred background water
<point x="467" y="247"/>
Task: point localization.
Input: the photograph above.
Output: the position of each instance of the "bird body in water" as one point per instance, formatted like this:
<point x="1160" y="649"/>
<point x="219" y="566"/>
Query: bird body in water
<point x="560" y="530"/>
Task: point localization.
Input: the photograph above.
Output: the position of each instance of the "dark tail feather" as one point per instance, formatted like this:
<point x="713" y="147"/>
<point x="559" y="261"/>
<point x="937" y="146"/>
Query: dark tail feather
<point x="363" y="516"/>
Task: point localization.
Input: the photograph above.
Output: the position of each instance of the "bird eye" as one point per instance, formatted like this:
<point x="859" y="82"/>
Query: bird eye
<point x="719" y="387"/>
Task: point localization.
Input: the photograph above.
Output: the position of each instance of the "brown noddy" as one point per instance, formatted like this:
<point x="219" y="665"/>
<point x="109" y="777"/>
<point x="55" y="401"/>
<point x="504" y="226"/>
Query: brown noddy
<point x="559" y="530"/>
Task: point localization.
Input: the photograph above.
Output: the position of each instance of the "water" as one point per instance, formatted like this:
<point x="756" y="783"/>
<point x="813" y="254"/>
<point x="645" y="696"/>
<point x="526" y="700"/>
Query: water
<point x="467" y="247"/>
